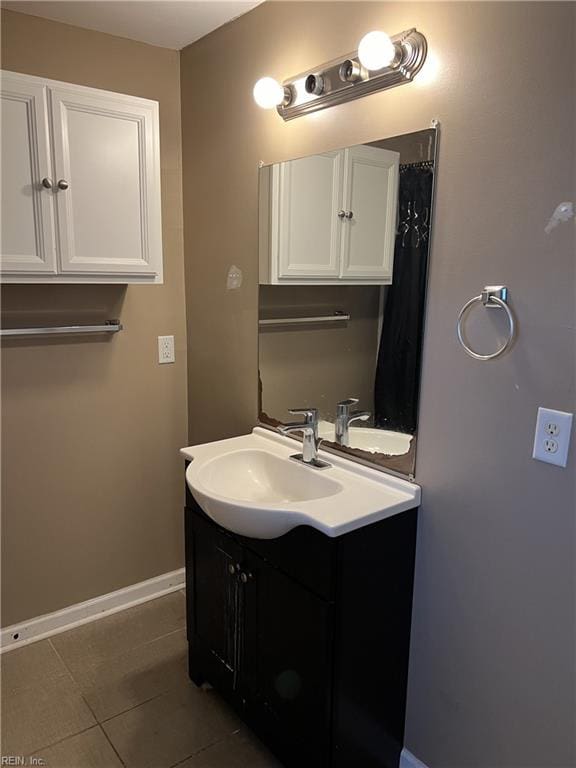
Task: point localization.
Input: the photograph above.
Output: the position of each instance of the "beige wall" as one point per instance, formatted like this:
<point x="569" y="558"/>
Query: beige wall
<point x="92" y="481"/>
<point x="318" y="365"/>
<point x="492" y="659"/>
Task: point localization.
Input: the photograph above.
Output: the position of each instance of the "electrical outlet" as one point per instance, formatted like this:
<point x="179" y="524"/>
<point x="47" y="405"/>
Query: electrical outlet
<point x="552" y="438"/>
<point x="166" y="349"/>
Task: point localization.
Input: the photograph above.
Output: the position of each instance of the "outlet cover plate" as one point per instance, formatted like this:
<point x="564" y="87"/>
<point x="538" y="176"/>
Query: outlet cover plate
<point x="552" y="437"/>
<point x="166" y="350"/>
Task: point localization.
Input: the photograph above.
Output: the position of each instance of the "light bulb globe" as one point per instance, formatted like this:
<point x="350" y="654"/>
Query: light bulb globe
<point x="268" y="93"/>
<point x="376" y="50"/>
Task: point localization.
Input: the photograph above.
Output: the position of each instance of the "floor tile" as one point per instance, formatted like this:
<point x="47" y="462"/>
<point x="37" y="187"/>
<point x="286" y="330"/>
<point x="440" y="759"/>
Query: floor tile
<point x="40" y="715"/>
<point x="23" y="667"/>
<point x="90" y="749"/>
<point x="242" y="750"/>
<point x="170" y="728"/>
<point x="116" y="634"/>
<point x="118" y="684"/>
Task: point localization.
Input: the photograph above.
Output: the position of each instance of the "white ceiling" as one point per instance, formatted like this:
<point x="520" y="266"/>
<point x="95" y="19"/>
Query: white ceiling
<point x="168" y="23"/>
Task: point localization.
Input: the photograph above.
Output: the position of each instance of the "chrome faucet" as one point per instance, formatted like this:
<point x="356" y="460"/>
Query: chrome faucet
<point x="310" y="441"/>
<point x="344" y="417"/>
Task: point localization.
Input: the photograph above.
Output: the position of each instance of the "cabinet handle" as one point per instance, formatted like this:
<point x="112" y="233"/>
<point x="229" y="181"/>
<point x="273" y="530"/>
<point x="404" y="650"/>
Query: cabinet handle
<point x="63" y="184"/>
<point x="349" y="215"/>
<point x="341" y="214"/>
<point x="47" y="183"/>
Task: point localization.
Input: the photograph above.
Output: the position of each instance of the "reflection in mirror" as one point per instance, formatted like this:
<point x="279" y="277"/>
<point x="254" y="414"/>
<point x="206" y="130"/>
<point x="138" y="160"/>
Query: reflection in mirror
<point x="344" y="242"/>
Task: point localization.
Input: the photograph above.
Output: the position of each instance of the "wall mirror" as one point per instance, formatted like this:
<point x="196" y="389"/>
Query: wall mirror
<point x="344" y="241"/>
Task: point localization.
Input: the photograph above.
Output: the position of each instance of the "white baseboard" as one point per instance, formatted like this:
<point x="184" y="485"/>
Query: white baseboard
<point x="53" y="623"/>
<point x="408" y="760"/>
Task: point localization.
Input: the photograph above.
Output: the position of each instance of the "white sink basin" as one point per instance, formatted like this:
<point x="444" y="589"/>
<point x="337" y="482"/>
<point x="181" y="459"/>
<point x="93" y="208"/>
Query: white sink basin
<point x="250" y="486"/>
<point x="369" y="439"/>
<point x="259" y="476"/>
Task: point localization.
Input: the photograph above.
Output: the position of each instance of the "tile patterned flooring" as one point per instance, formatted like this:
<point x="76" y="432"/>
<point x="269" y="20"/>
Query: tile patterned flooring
<point x="116" y="693"/>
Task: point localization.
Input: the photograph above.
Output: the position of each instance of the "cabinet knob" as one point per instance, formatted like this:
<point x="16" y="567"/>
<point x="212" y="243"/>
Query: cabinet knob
<point x="341" y="214"/>
<point x="47" y="183"/>
<point x="245" y="577"/>
<point x="231" y="569"/>
<point x="349" y="215"/>
<point x="63" y="184"/>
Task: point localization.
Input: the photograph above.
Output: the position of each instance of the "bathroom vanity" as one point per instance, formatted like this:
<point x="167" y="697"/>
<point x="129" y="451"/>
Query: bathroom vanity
<point x="305" y="634"/>
<point x="299" y="578"/>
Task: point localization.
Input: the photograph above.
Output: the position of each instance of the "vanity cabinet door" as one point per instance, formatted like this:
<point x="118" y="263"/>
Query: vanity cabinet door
<point x="287" y="664"/>
<point x="27" y="238"/>
<point x="307" y="197"/>
<point x="371" y="200"/>
<point x="108" y="183"/>
<point x="214" y="594"/>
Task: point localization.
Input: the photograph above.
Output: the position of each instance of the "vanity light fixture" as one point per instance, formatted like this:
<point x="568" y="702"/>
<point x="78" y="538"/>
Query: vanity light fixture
<point x="380" y="62"/>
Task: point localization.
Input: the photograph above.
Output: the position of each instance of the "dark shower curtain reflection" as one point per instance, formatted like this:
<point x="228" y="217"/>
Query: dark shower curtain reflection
<point x="397" y="382"/>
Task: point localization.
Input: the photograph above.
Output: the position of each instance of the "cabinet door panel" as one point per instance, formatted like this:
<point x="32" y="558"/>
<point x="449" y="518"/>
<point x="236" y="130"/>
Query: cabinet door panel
<point x="372" y="198"/>
<point x="216" y="622"/>
<point x="287" y="662"/>
<point x="106" y="149"/>
<point x="308" y="196"/>
<point x="27" y="208"/>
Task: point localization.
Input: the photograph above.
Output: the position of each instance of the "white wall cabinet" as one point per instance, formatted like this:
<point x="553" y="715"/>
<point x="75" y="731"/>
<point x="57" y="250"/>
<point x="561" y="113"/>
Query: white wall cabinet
<point x="80" y="184"/>
<point x="330" y="218"/>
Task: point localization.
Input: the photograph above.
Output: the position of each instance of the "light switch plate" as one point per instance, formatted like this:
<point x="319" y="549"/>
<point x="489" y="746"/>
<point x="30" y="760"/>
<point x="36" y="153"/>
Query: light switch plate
<point x="166" y="349"/>
<point x="552" y="438"/>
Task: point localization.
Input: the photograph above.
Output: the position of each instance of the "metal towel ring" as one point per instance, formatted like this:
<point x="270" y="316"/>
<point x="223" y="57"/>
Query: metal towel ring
<point x="491" y="296"/>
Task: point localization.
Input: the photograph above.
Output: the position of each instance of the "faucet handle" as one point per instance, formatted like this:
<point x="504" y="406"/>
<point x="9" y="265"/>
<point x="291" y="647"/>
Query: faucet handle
<point x="343" y="407"/>
<point x="310" y="414"/>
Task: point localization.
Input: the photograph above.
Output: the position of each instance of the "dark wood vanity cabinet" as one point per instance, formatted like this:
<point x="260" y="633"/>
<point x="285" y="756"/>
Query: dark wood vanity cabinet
<point x="306" y="636"/>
